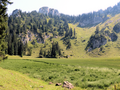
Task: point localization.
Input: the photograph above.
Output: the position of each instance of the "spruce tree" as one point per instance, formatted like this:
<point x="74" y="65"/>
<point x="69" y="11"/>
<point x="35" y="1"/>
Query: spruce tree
<point x="41" y="53"/>
<point x="44" y="53"/>
<point x="3" y="25"/>
<point x="16" y="48"/>
<point x="70" y="33"/>
<point x="74" y="32"/>
<point x="21" y="49"/>
<point x="9" y="44"/>
<point x="97" y="30"/>
<point x="12" y="49"/>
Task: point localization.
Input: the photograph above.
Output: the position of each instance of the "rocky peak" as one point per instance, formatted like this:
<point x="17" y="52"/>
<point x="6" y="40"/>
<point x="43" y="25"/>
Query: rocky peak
<point x="44" y="10"/>
<point x="49" y="11"/>
<point x="16" y="13"/>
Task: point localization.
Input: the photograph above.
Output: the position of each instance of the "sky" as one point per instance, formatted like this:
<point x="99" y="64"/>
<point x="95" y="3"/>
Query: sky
<point x="69" y="7"/>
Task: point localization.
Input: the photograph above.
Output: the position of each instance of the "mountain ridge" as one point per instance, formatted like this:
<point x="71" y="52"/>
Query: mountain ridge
<point x="64" y="31"/>
<point x="85" y="20"/>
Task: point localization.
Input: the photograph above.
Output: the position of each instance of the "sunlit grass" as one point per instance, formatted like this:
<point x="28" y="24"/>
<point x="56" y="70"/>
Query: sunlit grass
<point x="97" y="73"/>
<point x="12" y="80"/>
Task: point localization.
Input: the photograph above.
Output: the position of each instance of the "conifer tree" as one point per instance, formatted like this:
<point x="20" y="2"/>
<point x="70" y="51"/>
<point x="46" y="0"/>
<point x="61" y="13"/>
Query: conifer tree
<point x="12" y="49"/>
<point x="3" y="25"/>
<point x="41" y="53"/>
<point x="16" y="48"/>
<point x="74" y="32"/>
<point x="44" y="53"/>
<point x="21" y="49"/>
<point x="97" y="30"/>
<point x="9" y="44"/>
<point x="70" y="33"/>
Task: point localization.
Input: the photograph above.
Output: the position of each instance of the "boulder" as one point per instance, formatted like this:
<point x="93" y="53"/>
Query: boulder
<point x="50" y="83"/>
<point x="68" y="85"/>
<point x="41" y="86"/>
<point x="58" y="84"/>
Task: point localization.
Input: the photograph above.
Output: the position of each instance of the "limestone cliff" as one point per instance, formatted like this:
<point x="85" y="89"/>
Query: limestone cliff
<point x="93" y="21"/>
<point x="49" y="11"/>
<point x="96" y="41"/>
<point x="16" y="13"/>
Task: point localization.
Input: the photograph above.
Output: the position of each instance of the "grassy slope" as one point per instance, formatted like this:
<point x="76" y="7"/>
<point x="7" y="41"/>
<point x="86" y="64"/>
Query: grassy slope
<point x="84" y="34"/>
<point x="78" y="47"/>
<point x="12" y="80"/>
<point x="107" y="70"/>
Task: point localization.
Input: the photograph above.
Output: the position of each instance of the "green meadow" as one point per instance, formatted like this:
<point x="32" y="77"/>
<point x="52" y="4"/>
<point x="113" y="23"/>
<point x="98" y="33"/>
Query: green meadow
<point x="84" y="74"/>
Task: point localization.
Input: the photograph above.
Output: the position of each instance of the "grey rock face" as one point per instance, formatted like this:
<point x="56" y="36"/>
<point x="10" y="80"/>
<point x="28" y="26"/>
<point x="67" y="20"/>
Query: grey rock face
<point x="93" y="21"/>
<point x="97" y="20"/>
<point x="44" y="10"/>
<point x="96" y="43"/>
<point x="116" y="28"/>
<point x="16" y="13"/>
<point x="113" y="37"/>
<point x="49" y="11"/>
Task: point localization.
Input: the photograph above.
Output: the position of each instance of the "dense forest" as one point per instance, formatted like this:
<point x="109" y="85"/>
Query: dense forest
<point x="22" y="23"/>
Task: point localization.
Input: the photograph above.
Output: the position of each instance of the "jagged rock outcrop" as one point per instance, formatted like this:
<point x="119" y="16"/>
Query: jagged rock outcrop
<point x="95" y="20"/>
<point x="116" y="28"/>
<point x="49" y="11"/>
<point x="44" y="10"/>
<point x="31" y="36"/>
<point x="16" y="13"/>
<point x="113" y="37"/>
<point x="96" y="41"/>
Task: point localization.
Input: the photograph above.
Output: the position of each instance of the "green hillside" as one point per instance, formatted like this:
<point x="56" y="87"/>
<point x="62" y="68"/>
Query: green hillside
<point x="88" y="35"/>
<point x="111" y="48"/>
<point x="83" y="35"/>
<point x="11" y="80"/>
<point x="43" y="49"/>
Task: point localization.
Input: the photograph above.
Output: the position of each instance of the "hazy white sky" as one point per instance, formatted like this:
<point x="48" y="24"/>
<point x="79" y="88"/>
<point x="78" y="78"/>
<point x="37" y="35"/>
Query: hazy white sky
<point x="71" y="7"/>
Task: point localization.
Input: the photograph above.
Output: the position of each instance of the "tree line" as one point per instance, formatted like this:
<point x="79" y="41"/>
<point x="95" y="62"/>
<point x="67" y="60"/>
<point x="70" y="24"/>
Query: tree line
<point x="3" y="26"/>
<point x="36" y="23"/>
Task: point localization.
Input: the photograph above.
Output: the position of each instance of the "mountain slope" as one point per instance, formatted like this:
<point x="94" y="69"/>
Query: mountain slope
<point x="64" y="36"/>
<point x="111" y="48"/>
<point x="79" y="44"/>
<point x="13" y="80"/>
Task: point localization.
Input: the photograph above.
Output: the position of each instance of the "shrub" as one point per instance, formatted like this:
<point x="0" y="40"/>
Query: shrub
<point x="77" y="70"/>
<point x="72" y="78"/>
<point x="100" y="85"/>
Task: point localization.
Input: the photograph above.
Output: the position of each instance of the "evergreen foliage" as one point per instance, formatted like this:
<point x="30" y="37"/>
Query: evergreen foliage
<point x="54" y="51"/>
<point x="3" y="25"/>
<point x="22" y="23"/>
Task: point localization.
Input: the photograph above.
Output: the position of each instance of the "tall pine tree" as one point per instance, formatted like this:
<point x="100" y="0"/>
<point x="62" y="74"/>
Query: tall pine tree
<point x="3" y="25"/>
